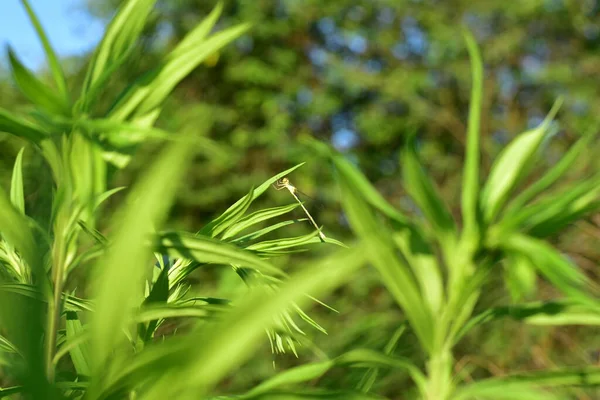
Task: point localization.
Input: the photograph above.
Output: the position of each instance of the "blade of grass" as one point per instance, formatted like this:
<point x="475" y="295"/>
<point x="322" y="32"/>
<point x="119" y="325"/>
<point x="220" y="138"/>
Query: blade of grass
<point x="16" y="186"/>
<point x="19" y="127"/>
<point x="120" y="272"/>
<point x="512" y="166"/>
<point x="211" y="351"/>
<point x="470" y="182"/>
<point x="55" y="68"/>
<point x="35" y="90"/>
<point x="554" y="173"/>
<point x="380" y="249"/>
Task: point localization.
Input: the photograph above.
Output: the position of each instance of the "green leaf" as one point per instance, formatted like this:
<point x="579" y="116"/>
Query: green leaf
<point x="380" y="249"/>
<point x="203" y="249"/>
<point x="211" y="351"/>
<point x="80" y="354"/>
<point x="284" y="243"/>
<point x="359" y="181"/>
<point x="149" y="91"/>
<point x="16" y="186"/>
<point x="512" y="166"/>
<point x="424" y="265"/>
<point x="422" y="190"/>
<point x="163" y="311"/>
<point x="229" y="217"/>
<point x="257" y="217"/>
<point x="561" y="273"/>
<point x="21" y="128"/>
<point x="121" y="271"/>
<point x="553" y="174"/>
<point x="524" y="384"/>
<point x="470" y="183"/>
<point x="370" y="376"/>
<point x="117" y="43"/>
<point x="264" y="231"/>
<point x="356" y="358"/>
<point x="520" y="276"/>
<point x="55" y="68"/>
<point x="237" y="210"/>
<point x="15" y="229"/>
<point x="35" y="90"/>
<point x="556" y="210"/>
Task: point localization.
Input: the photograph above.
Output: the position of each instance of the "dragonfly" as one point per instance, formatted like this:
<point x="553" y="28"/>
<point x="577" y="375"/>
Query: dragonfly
<point x="284" y="183"/>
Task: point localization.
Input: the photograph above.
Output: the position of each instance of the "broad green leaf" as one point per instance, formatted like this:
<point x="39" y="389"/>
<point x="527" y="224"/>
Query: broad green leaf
<point x="512" y="165"/>
<point x="210" y="352"/>
<point x="418" y="184"/>
<point x="35" y="90"/>
<point x="553" y="174"/>
<point x="19" y="127"/>
<point x="359" y="181"/>
<point x="380" y="249"/>
<point x="121" y="271"/>
<point x="257" y="217"/>
<point x="119" y="38"/>
<point x="237" y="210"/>
<point x="470" y="181"/>
<point x="203" y="249"/>
<point x="16" y="186"/>
<point x="55" y="68"/>
<point x="80" y="354"/>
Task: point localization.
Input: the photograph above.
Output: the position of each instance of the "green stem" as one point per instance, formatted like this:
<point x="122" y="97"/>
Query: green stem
<point x="54" y="305"/>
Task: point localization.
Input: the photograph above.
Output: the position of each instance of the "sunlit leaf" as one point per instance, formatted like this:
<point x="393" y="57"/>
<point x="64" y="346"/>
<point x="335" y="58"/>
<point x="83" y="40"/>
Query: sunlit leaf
<point x="55" y="68"/>
<point x="512" y="165"/>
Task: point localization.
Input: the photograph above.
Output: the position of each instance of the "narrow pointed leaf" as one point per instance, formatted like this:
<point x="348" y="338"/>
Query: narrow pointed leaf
<point x="207" y="250"/>
<point x="470" y="191"/>
<point x="423" y="192"/>
<point x="381" y="252"/>
<point x="120" y="272"/>
<point x="16" y="186"/>
<point x="257" y="217"/>
<point x="119" y="38"/>
<point x="237" y="210"/>
<point x="21" y="128"/>
<point x="512" y="166"/>
<point x="553" y="174"/>
<point x="55" y="68"/>
<point x="210" y="352"/>
<point x="361" y="183"/>
<point x="36" y="91"/>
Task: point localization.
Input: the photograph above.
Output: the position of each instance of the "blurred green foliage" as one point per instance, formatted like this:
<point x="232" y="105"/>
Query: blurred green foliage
<point x="360" y="75"/>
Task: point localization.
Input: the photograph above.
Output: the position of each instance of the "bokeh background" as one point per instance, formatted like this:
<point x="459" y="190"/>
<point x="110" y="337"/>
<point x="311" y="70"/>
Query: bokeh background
<point x="359" y="75"/>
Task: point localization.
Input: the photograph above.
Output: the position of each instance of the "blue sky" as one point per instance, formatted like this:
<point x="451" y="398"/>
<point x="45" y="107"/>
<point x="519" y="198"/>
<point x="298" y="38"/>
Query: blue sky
<point x="70" y="29"/>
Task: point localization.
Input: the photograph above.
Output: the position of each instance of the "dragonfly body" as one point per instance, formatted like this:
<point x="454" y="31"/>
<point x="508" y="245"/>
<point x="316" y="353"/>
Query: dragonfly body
<point x="284" y="183"/>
